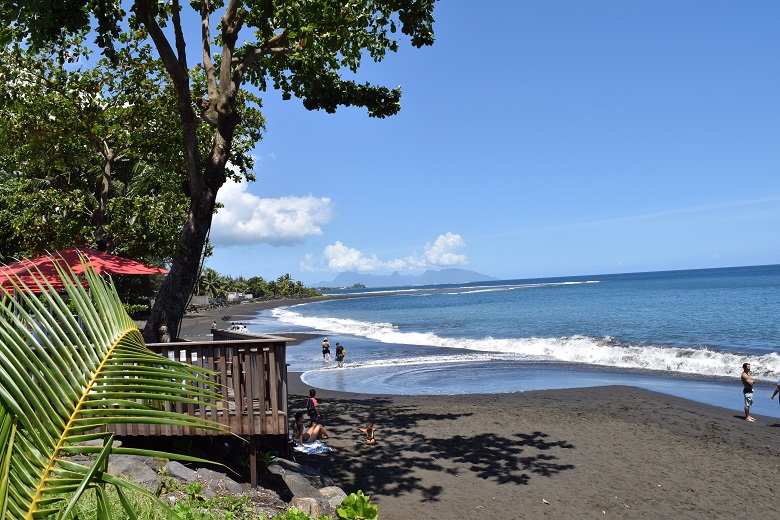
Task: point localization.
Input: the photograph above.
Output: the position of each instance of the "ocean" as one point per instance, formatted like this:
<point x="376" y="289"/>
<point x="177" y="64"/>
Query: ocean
<point x="684" y="333"/>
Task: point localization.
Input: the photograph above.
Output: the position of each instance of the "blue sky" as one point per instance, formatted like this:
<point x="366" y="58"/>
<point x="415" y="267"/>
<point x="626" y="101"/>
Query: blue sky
<point x="536" y="139"/>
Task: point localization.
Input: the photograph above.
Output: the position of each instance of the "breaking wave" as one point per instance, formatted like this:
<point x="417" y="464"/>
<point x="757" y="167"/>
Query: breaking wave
<point x="605" y="351"/>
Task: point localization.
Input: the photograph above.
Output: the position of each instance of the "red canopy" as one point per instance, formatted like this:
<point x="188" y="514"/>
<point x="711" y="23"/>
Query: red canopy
<point x="30" y="270"/>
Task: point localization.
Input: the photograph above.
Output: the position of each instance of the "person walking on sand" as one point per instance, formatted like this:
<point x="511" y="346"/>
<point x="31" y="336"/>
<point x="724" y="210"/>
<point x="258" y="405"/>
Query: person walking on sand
<point x="747" y="390"/>
<point x="325" y="349"/>
<point x="340" y="354"/>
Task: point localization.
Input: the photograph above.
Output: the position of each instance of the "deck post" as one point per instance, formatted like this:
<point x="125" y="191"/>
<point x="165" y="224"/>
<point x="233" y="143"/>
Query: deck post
<point x="253" y="460"/>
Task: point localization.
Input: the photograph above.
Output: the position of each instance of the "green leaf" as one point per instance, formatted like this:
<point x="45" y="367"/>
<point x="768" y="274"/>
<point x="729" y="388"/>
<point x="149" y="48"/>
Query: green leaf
<point x="53" y="371"/>
<point x="356" y="505"/>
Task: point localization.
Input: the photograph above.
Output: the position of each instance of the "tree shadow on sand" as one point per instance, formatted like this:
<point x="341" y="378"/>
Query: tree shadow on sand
<point x="389" y="467"/>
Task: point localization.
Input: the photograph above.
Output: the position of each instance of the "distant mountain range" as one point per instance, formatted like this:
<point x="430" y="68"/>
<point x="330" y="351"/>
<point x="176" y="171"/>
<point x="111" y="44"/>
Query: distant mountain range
<point x="396" y="279"/>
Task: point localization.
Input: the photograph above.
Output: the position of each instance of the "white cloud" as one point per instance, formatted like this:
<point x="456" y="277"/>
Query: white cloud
<point x="442" y="252"/>
<point x="248" y="219"/>
<point x="339" y="258"/>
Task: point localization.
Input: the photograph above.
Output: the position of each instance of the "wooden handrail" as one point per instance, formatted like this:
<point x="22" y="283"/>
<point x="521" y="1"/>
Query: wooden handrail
<point x="251" y="372"/>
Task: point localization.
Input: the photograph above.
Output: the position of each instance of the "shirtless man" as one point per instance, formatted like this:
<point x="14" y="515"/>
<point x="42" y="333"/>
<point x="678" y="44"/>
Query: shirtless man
<point x="747" y="390"/>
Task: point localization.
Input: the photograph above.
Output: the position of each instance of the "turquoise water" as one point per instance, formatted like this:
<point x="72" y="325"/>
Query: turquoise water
<point x="681" y="332"/>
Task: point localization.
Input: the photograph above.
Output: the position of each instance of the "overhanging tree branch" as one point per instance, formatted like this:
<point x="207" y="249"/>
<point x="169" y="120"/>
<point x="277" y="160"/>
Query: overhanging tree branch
<point x="181" y="47"/>
<point x="181" y="81"/>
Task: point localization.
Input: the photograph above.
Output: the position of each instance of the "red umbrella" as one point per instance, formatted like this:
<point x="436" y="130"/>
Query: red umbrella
<point x="41" y="268"/>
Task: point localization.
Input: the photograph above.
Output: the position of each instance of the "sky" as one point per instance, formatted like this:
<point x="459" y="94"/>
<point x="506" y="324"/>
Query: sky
<point x="535" y="139"/>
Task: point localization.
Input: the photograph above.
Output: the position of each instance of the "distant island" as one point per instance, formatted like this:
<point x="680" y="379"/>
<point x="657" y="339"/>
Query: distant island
<point x="429" y="277"/>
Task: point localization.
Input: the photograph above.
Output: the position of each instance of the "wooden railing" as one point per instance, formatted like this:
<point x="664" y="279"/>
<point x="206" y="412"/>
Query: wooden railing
<point x="251" y="371"/>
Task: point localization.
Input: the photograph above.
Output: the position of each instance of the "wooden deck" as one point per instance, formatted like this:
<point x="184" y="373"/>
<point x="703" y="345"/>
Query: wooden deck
<point x="252" y="375"/>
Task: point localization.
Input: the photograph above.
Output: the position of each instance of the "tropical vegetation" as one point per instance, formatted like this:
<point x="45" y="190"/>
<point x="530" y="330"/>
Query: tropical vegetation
<point x="215" y="285"/>
<point x="302" y="49"/>
<point x="64" y="380"/>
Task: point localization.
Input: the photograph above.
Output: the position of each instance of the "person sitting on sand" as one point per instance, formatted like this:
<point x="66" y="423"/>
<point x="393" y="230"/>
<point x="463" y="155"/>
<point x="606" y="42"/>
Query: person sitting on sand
<point x="302" y="435"/>
<point x="369" y="431"/>
<point x="747" y="390"/>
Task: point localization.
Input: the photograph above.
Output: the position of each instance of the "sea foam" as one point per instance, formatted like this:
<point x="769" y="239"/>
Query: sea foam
<point x="605" y="351"/>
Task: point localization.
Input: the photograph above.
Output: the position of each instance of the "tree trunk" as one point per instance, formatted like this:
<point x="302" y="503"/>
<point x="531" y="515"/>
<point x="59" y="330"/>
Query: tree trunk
<point x="173" y="296"/>
<point x="99" y="216"/>
<point x="204" y="180"/>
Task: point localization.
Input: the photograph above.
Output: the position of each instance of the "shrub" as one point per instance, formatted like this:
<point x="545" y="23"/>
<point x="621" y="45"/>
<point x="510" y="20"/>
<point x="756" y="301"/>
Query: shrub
<point x="356" y="505"/>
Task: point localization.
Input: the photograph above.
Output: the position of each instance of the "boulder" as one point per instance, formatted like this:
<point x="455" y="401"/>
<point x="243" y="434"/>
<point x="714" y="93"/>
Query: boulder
<point x="180" y="471"/>
<point x="131" y="468"/>
<point x="307" y="505"/>
<point x="334" y="495"/>
<point x="280" y="466"/>
<point x="216" y="481"/>
<point x="302" y="481"/>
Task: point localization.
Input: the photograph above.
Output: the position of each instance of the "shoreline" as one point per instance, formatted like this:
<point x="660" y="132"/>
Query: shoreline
<point x="572" y="453"/>
<point x="196" y="326"/>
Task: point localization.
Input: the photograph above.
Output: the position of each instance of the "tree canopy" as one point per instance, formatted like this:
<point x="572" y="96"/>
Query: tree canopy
<point x="80" y="167"/>
<point x="303" y="49"/>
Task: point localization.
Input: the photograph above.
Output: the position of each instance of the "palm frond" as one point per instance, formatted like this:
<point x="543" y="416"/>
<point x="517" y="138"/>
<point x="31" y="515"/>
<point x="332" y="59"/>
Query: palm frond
<point x="64" y="379"/>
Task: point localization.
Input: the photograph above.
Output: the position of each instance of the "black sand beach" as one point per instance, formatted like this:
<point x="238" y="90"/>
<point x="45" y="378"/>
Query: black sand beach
<point x="579" y="453"/>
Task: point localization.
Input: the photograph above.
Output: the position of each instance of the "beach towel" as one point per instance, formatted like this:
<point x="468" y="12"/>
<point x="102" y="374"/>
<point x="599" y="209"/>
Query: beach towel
<point x="311" y="448"/>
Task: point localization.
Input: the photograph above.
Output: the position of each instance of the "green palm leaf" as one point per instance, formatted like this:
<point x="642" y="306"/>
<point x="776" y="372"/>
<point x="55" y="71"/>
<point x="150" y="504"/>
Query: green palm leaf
<point x="64" y="380"/>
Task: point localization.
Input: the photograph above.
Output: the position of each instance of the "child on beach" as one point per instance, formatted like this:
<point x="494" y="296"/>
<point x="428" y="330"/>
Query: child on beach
<point x="369" y="431"/>
<point x="313" y="407"/>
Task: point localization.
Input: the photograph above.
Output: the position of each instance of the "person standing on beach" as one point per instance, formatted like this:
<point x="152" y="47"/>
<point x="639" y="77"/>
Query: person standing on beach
<point x="340" y="354"/>
<point x="325" y="349"/>
<point x="747" y="390"/>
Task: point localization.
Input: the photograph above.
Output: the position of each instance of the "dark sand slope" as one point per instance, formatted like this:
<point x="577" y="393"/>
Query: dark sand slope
<point x="616" y="450"/>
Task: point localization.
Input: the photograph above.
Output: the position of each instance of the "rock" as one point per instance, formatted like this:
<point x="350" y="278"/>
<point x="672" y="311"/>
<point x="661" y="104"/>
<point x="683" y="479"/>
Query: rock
<point x="131" y="468"/>
<point x="334" y="495"/>
<point x="317" y="479"/>
<point x="300" y="486"/>
<point x="99" y="442"/>
<point x="303" y="482"/>
<point x="178" y="470"/>
<point x="307" y="505"/>
<point x="215" y="481"/>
